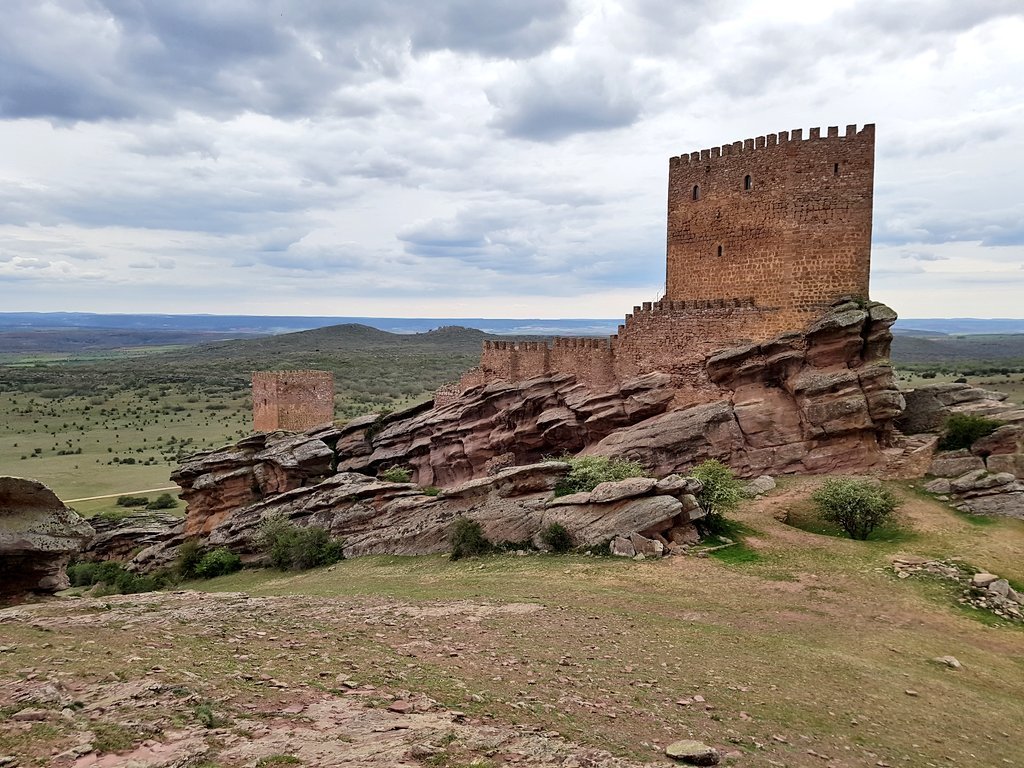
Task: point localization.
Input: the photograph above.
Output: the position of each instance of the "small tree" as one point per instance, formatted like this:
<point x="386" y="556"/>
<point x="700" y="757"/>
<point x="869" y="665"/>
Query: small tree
<point x="721" y="493"/>
<point x="856" y="506"/>
<point x="590" y="471"/>
<point x="557" y="538"/>
<point x="163" y="501"/>
<point x="467" y="539"/>
<point x="962" y="430"/>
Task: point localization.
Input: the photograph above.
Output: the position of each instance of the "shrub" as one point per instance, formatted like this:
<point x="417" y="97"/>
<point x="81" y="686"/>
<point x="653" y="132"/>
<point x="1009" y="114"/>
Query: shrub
<point x="588" y="472"/>
<point x="467" y="539"/>
<point x="962" y="430"/>
<point x="396" y="475"/>
<point x="856" y="506"/>
<point x="291" y="548"/>
<point x="218" y="562"/>
<point x="132" y="501"/>
<point x="721" y="494"/>
<point x="189" y="555"/>
<point x="114" y="578"/>
<point x="431" y="490"/>
<point x="163" y="501"/>
<point x="556" y="538"/>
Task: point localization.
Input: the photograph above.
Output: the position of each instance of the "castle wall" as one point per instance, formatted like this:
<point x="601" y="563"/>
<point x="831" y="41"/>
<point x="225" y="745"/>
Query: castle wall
<point x="677" y="336"/>
<point x="292" y="400"/>
<point x="763" y="235"/>
<point x="797" y="239"/>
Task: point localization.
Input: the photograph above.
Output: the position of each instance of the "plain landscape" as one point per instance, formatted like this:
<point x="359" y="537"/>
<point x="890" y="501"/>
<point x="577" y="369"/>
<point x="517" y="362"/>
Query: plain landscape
<point x="790" y="646"/>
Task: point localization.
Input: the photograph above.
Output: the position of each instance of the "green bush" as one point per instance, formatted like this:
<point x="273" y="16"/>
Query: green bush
<point x="962" y="430"/>
<point x="856" y="506"/>
<point x="291" y="548"/>
<point x="163" y="501"/>
<point x="132" y="501"/>
<point x="721" y="494"/>
<point x="114" y="578"/>
<point x="189" y="555"/>
<point x="396" y="475"/>
<point x="556" y="538"/>
<point x="467" y="539"/>
<point x="590" y="471"/>
<point x="218" y="562"/>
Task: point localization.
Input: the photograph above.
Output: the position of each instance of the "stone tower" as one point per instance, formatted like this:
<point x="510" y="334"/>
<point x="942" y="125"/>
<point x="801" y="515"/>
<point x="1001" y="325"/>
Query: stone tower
<point x="780" y="219"/>
<point x="292" y="400"/>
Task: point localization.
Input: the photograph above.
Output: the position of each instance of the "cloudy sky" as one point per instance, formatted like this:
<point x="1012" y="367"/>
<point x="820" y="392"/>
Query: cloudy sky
<point x="496" y="158"/>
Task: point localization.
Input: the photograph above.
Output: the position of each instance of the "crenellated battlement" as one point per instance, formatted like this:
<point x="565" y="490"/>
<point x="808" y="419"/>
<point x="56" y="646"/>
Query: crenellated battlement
<point x="768" y="141"/>
<point x="763" y="235"/>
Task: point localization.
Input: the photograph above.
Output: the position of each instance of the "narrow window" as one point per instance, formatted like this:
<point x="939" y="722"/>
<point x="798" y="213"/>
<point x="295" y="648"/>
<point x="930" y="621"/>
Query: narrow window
<point x="748" y="183"/>
<point x="696" y="192"/>
<point x="719" y="251"/>
<point x="835" y="169"/>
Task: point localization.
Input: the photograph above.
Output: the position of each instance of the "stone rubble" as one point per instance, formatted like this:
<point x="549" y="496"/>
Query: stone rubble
<point x="981" y="590"/>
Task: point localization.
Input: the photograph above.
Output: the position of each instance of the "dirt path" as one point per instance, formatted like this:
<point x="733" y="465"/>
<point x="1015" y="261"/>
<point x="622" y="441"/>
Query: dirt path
<point x="120" y="493"/>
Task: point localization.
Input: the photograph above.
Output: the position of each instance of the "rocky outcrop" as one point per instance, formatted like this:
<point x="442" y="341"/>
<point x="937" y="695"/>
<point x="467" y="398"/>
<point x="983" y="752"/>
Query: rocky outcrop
<point x="818" y="401"/>
<point x="121" y="538"/>
<point x="513" y="505"/>
<point x="38" y="536"/>
<point x="987" y="478"/>
<point x="822" y="401"/>
<point x="929" y="407"/>
<point x="216" y="483"/>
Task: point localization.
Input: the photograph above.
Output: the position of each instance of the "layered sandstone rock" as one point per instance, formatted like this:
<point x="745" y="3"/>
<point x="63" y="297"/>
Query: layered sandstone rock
<point x="819" y="401"/>
<point x="513" y="505"/>
<point x="987" y="478"/>
<point x="215" y="483"/>
<point x="38" y="536"/>
<point x="122" y="538"/>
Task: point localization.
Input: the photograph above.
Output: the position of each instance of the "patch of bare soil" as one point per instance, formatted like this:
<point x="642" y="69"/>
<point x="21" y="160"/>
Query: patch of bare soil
<point x="128" y="713"/>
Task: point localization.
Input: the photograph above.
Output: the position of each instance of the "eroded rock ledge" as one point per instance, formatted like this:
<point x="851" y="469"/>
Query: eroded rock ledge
<point x="38" y="536"/>
<point x="373" y="516"/>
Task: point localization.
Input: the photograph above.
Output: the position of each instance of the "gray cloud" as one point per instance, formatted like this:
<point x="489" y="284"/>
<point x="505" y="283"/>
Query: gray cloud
<point x="551" y="99"/>
<point x="133" y="58"/>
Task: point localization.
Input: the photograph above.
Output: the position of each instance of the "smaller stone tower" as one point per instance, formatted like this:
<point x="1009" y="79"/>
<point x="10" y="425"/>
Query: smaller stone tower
<point x="292" y="400"/>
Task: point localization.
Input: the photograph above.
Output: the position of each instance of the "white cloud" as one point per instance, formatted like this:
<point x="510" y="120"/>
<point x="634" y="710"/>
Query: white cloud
<point x="498" y="158"/>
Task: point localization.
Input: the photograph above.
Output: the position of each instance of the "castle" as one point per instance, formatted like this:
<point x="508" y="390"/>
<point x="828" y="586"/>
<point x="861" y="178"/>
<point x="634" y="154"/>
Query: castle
<point x="763" y="235"/>
<point x="292" y="400"/>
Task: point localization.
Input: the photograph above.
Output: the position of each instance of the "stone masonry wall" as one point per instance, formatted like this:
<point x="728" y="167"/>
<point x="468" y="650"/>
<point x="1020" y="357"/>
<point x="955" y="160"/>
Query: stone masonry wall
<point x="292" y="400"/>
<point x="763" y="236"/>
<point x="779" y="218"/>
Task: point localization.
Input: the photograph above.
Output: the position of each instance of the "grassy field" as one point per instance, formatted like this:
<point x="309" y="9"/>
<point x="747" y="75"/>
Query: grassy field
<point x="806" y="651"/>
<point x="115" y="421"/>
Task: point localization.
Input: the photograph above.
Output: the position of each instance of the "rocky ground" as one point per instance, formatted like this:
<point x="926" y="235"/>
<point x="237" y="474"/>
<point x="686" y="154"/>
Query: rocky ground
<point x="794" y="650"/>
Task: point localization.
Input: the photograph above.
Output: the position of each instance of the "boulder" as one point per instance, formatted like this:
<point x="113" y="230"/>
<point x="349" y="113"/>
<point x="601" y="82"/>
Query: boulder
<point x="760" y="485"/>
<point x="648" y="547"/>
<point x="38" y="536"/>
<point x="621" y="546"/>
<point x="939" y="485"/>
<point x="954" y="463"/>
<point x="622" y="489"/>
<point x="980" y="480"/>
<point x="692" y="752"/>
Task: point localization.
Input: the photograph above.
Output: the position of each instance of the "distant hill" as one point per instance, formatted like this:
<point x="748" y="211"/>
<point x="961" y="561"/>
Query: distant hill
<point x="960" y="325"/>
<point x="992" y="348"/>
